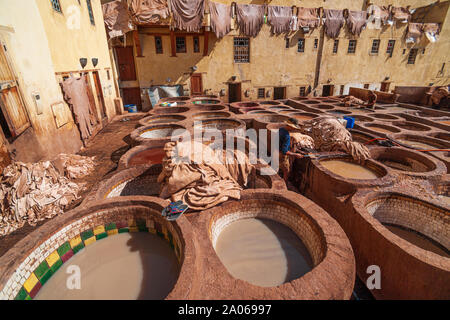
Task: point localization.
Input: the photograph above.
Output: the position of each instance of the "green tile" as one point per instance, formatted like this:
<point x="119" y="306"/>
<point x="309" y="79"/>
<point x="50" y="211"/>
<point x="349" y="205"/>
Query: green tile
<point x="64" y="249"/>
<point x="123" y="230"/>
<point x="110" y="226"/>
<point x="141" y="223"/>
<point x="42" y="269"/>
<point x="143" y="229"/>
<point x="87" y="234"/>
<point x="22" y="295"/>
<point x="28" y="298"/>
<point x="78" y="248"/>
<point x="45" y="277"/>
<point x="56" y="266"/>
<point x="101" y="236"/>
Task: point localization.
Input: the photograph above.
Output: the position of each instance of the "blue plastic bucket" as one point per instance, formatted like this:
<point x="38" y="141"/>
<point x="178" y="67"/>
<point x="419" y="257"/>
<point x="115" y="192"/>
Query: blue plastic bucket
<point x="350" y="122"/>
<point x="132" y="108"/>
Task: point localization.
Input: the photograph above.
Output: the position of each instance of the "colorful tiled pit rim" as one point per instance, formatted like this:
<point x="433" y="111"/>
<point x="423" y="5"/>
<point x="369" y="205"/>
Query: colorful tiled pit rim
<point x="66" y="251"/>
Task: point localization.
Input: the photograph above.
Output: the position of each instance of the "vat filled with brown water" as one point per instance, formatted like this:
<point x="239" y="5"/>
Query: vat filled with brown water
<point x="270" y="102"/>
<point x="302" y="116"/>
<point x="210" y="115"/>
<point x="349" y="170"/>
<point x="167" y="110"/>
<point x="411" y="126"/>
<point x="381" y="128"/>
<point x="156" y="133"/>
<point x="383" y="116"/>
<point x="170" y="118"/>
<point x="150" y="154"/>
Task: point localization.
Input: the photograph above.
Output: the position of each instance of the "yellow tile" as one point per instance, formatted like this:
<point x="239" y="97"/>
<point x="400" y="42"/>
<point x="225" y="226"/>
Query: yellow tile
<point x="89" y="241"/>
<point x="134" y="229"/>
<point x="75" y="241"/>
<point x="112" y="232"/>
<point x="31" y="282"/>
<point x="131" y="223"/>
<point x="52" y="258"/>
<point x="99" y="229"/>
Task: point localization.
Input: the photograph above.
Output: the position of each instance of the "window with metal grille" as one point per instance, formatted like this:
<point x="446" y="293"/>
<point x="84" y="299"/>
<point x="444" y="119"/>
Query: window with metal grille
<point x="390" y="47"/>
<point x="301" y="45"/>
<point x="181" y="44"/>
<point x="241" y="50"/>
<point x="302" y="92"/>
<point x="412" y="56"/>
<point x="91" y="13"/>
<point x="375" y="46"/>
<point x="261" y="93"/>
<point x="158" y="45"/>
<point x="351" y="46"/>
<point x="196" y="44"/>
<point x="335" y="46"/>
<point x="316" y="43"/>
<point x="56" y="5"/>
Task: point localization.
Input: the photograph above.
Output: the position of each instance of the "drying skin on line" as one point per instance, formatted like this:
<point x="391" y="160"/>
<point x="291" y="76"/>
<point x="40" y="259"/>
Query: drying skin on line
<point x="334" y="20"/>
<point x="187" y="14"/>
<point x="117" y="18"/>
<point x="401" y="14"/>
<point x="220" y="18"/>
<point x="250" y="18"/>
<point x="308" y="17"/>
<point x="76" y="95"/>
<point x="414" y="32"/>
<point x="356" y="21"/>
<point x="279" y="18"/>
<point x="431" y="31"/>
<point x="148" y="11"/>
<point x="203" y="179"/>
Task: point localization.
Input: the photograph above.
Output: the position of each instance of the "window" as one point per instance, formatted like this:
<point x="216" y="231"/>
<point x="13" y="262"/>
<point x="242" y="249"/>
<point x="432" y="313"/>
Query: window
<point x="423" y="51"/>
<point x="108" y="75"/>
<point x="56" y="5"/>
<point x="91" y="13"/>
<point x="335" y="46"/>
<point x="341" y="91"/>
<point x="302" y="92"/>
<point x="261" y="93"/>
<point x="301" y="45"/>
<point x="181" y="44"/>
<point x="366" y="86"/>
<point x="288" y="43"/>
<point x="241" y="50"/>
<point x="196" y="44"/>
<point x="375" y="46"/>
<point x="351" y="46"/>
<point x="412" y="56"/>
<point x="404" y="51"/>
<point x="390" y="47"/>
<point x="158" y="45"/>
<point x="316" y="43"/>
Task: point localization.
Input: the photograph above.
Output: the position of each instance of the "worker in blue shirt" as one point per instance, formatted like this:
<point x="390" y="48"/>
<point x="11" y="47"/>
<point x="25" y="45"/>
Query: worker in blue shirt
<point x="285" y="152"/>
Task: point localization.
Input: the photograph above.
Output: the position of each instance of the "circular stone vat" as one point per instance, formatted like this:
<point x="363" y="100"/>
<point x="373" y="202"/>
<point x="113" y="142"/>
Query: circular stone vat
<point x="411" y="126"/>
<point x="361" y="118"/>
<point x="362" y="137"/>
<point x="348" y="169"/>
<point x="124" y="250"/>
<point x="220" y="124"/>
<point x="205" y="101"/>
<point x="161" y="119"/>
<point x="159" y="132"/>
<point x="208" y="96"/>
<point x="210" y="115"/>
<point x="420" y="142"/>
<point x="285" y="111"/>
<point x="330" y="101"/>
<point x="324" y="106"/>
<point x="410" y="162"/>
<point x="272" y="118"/>
<point x="441" y="135"/>
<point x="174" y="99"/>
<point x="279" y="108"/>
<point x="268" y="240"/>
<point x="261" y="112"/>
<point x="384" y="116"/>
<point x="142" y="155"/>
<point x="303" y="116"/>
<point x="216" y="107"/>
<point x="339" y="111"/>
<point x="381" y="128"/>
<point x="271" y="103"/>
<point x="311" y="102"/>
<point x="167" y="110"/>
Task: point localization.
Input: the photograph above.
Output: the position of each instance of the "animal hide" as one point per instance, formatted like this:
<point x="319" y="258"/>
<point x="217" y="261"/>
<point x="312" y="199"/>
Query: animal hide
<point x="334" y="20"/>
<point x="250" y="18"/>
<point x="148" y="11"/>
<point x="431" y="31"/>
<point x="401" y="14"/>
<point x="220" y="18"/>
<point x="117" y="18"/>
<point x="187" y="14"/>
<point x="279" y="19"/>
<point x="414" y="32"/>
<point x="356" y="22"/>
<point x="308" y="17"/>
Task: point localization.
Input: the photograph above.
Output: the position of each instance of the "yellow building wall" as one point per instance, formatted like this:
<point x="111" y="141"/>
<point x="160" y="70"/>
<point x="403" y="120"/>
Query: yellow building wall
<point x="271" y="64"/>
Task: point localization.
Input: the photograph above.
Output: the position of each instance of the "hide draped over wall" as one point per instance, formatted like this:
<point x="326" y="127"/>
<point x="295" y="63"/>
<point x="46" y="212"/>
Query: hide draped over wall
<point x="187" y="14"/>
<point x="279" y="18"/>
<point x="220" y="18"/>
<point x="334" y="20"/>
<point x="308" y="17"/>
<point x="250" y="18"/>
<point x="356" y="21"/>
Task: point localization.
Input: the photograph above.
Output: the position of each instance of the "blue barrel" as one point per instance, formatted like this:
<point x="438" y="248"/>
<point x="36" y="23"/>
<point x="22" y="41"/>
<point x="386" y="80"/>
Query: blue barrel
<point x="350" y="122"/>
<point x="132" y="108"/>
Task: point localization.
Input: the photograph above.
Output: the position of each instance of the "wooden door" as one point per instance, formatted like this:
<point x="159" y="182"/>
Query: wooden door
<point x="99" y="91"/>
<point x="385" y="86"/>
<point x="92" y="106"/>
<point x="125" y="62"/>
<point x="328" y="90"/>
<point x="279" y="93"/>
<point x="132" y="96"/>
<point x="196" y="84"/>
<point x="14" y="117"/>
<point x="234" y="92"/>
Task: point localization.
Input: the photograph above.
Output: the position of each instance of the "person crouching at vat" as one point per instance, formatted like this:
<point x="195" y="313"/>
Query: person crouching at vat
<point x="290" y="143"/>
<point x="351" y="101"/>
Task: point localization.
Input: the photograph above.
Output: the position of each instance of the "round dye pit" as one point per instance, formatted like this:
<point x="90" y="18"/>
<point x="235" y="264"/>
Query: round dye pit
<point x="246" y="104"/>
<point x="330" y="101"/>
<point x="214" y="107"/>
<point x="384" y="116"/>
<point x="205" y="101"/>
<point x="360" y="118"/>
<point x="441" y="135"/>
<point x="446" y="122"/>
<point x="271" y="103"/>
<point x="350" y="170"/>
<point x="381" y="128"/>
<point x="220" y="124"/>
<point x="142" y="155"/>
<point x="362" y="137"/>
<point x="167" y="110"/>
<point x="279" y="108"/>
<point x="261" y="112"/>
<point x="128" y="266"/>
<point x="161" y="119"/>
<point x="411" y="126"/>
<point x="324" y="107"/>
<point x="210" y="115"/>
<point x="420" y="223"/>
<point x="174" y="99"/>
<point x="303" y="116"/>
<point x="421" y="142"/>
<point x="311" y="101"/>
<point x="263" y="252"/>
<point x="158" y="132"/>
<point x="208" y="96"/>
<point x="272" y="118"/>
<point x="339" y="112"/>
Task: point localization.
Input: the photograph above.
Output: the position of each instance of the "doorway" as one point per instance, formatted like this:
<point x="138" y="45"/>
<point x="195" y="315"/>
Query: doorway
<point x="125" y="62"/>
<point x="279" y="93"/>
<point x="196" y="84"/>
<point x="385" y="86"/>
<point x="328" y="90"/>
<point x="234" y="92"/>
<point x="100" y="97"/>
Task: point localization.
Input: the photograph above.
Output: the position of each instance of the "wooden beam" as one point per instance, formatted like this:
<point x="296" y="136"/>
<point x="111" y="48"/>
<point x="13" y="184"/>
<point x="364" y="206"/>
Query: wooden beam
<point x="172" y="44"/>
<point x="205" y="48"/>
<point x="137" y="43"/>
